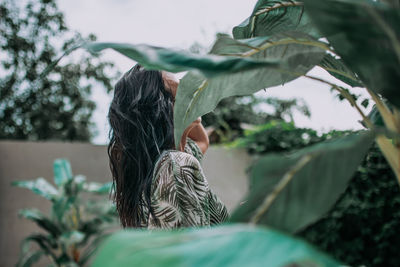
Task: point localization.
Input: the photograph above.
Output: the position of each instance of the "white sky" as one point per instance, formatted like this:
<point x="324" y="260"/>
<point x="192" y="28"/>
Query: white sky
<point x="180" y="23"/>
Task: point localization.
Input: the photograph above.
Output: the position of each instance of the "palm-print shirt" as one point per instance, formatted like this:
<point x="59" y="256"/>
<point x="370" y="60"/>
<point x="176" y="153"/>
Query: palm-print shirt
<point x="180" y="195"/>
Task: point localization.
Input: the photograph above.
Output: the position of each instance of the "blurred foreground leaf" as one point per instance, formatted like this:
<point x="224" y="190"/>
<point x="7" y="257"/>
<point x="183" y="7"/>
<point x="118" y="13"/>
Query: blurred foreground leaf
<point x="229" y="245"/>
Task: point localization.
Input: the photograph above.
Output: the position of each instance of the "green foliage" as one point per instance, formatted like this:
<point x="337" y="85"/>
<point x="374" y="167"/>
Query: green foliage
<point x="229" y="245"/>
<point x="376" y="117"/>
<point x="276" y="136"/>
<point x="236" y="59"/>
<point x="288" y="192"/>
<point x="270" y="17"/>
<point x="371" y="200"/>
<point x="54" y="106"/>
<point x="338" y="69"/>
<point x="227" y="57"/>
<point x="75" y="226"/>
<point x="198" y="95"/>
<point x="365" y="34"/>
<point x="153" y="57"/>
<point x="355" y="41"/>
<point x="233" y="114"/>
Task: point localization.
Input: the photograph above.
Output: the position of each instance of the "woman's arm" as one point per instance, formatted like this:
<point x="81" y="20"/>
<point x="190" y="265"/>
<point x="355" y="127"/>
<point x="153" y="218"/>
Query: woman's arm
<point x="200" y="136"/>
<point x="197" y="133"/>
<point x="195" y="130"/>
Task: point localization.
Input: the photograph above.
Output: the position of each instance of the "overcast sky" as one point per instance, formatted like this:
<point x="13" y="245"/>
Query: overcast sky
<point x="178" y="24"/>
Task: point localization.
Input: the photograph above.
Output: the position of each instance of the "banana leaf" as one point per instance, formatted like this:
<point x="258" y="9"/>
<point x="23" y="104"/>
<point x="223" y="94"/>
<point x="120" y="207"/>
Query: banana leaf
<point x="270" y="17"/>
<point x="289" y="192"/>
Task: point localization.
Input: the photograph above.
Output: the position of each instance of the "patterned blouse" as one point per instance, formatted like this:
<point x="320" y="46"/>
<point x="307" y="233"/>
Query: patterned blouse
<point x="180" y="194"/>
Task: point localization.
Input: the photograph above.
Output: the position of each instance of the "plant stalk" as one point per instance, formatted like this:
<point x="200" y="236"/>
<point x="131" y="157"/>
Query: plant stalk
<point x="390" y="150"/>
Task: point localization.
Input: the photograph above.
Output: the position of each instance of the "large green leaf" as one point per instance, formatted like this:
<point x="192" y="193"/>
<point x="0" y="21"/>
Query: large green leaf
<point x="290" y="192"/>
<point x="40" y="187"/>
<point x="271" y="16"/>
<point x="197" y="95"/>
<point x="367" y="39"/>
<point x="41" y="220"/>
<point x="230" y="245"/>
<point x="62" y="171"/>
<point x="339" y="70"/>
<point x="152" y="57"/>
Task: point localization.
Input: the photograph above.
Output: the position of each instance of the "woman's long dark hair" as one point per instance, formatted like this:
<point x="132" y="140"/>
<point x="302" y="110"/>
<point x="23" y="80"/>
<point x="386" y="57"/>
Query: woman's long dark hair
<point x="141" y="119"/>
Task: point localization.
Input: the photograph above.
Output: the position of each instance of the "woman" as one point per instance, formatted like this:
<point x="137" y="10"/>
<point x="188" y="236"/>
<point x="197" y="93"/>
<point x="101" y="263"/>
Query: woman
<point x="155" y="185"/>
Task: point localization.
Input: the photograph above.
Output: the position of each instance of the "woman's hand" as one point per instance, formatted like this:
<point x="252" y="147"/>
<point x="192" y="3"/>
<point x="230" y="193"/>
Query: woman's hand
<point x="195" y="130"/>
<point x="186" y="133"/>
<point x="197" y="133"/>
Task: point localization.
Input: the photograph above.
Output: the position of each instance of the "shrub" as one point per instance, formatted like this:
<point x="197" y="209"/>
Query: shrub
<point x="75" y="225"/>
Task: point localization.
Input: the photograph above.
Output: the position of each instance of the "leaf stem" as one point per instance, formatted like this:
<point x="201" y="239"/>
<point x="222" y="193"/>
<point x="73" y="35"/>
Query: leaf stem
<point x="340" y="73"/>
<point x="389" y="150"/>
<point x="391" y="153"/>
<point x="384" y="111"/>
<point x="348" y="97"/>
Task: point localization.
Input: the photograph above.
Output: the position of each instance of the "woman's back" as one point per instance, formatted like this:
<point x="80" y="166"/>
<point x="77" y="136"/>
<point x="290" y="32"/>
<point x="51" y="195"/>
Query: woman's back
<point x="153" y="190"/>
<point x="180" y="195"/>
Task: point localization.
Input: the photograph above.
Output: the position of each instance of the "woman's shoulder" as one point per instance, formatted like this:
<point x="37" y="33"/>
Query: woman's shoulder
<point x="176" y="169"/>
<point x="175" y="159"/>
<point x="191" y="155"/>
<point x="173" y="164"/>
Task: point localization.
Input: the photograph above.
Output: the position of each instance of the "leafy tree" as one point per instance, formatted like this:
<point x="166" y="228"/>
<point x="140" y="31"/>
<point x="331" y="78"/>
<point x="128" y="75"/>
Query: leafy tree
<point x="35" y="106"/>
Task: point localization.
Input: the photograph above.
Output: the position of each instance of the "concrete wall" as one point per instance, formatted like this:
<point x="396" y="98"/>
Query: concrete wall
<point x="224" y="169"/>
